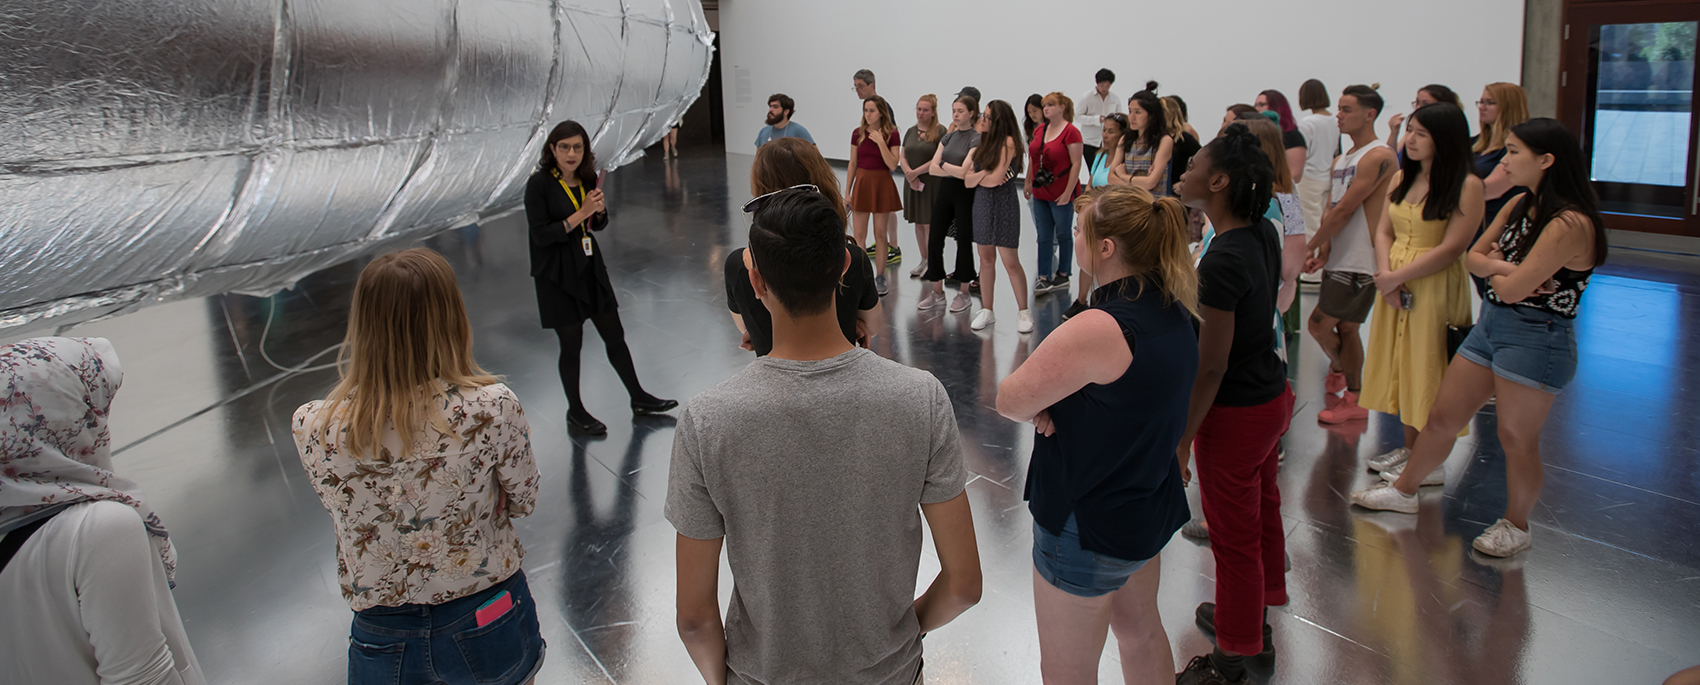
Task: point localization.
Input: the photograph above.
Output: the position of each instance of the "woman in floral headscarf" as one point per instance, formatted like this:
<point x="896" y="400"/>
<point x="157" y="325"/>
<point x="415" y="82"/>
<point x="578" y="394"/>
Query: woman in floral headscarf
<point x="85" y="564"/>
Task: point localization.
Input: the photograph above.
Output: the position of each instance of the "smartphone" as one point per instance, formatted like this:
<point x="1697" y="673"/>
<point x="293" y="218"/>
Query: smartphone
<point x="1405" y="299"/>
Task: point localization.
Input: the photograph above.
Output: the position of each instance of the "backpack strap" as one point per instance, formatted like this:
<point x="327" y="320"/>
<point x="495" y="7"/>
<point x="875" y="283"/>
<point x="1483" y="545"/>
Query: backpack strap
<point x="13" y="541"/>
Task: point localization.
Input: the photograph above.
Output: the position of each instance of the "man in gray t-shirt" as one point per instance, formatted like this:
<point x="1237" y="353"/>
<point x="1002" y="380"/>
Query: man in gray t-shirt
<point x="814" y="465"/>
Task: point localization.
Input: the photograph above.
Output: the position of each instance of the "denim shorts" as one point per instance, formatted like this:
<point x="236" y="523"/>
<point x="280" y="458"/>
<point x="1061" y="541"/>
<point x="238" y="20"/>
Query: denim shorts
<point x="1523" y="345"/>
<point x="1062" y="563"/>
<point x="443" y="643"/>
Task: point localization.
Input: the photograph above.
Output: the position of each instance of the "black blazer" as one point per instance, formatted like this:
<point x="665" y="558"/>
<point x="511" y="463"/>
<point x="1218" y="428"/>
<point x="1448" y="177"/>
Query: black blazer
<point x="556" y="252"/>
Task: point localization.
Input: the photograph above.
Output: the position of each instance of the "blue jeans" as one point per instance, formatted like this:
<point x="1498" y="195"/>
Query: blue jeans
<point x="1056" y="235"/>
<point x="1523" y="345"/>
<point x="1062" y="563"/>
<point x="443" y="643"/>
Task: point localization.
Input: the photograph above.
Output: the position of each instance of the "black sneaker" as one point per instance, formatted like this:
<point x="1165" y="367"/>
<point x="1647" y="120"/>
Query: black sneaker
<point x="1202" y="671"/>
<point x="1059" y="281"/>
<point x="974" y="286"/>
<point x="893" y="255"/>
<point x="871" y="250"/>
<point x="1074" y="309"/>
<point x="1206" y="619"/>
<point x="1041" y="285"/>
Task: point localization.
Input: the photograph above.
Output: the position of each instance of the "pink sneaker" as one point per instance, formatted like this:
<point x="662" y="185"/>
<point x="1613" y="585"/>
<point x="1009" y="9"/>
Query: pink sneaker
<point x="1335" y="382"/>
<point x="1346" y="410"/>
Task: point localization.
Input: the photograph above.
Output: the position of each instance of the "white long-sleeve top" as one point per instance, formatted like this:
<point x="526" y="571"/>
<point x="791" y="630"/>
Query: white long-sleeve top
<point x="87" y="603"/>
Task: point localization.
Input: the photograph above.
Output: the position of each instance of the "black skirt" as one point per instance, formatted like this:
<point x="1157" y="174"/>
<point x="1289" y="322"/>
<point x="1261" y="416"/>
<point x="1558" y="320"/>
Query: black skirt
<point x="557" y="308"/>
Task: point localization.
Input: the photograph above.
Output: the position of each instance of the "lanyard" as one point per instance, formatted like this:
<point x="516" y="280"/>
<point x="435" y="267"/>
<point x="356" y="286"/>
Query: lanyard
<point x="570" y="196"/>
<point x="584" y="240"/>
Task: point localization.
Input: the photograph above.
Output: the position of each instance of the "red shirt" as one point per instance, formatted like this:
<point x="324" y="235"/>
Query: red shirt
<point x="868" y="152"/>
<point x="1056" y="160"/>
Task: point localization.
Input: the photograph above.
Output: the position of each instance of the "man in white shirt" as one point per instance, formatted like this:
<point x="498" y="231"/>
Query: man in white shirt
<point x="1090" y="111"/>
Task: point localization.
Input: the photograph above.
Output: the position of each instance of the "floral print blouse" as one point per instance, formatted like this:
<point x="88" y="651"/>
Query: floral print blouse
<point x="432" y="526"/>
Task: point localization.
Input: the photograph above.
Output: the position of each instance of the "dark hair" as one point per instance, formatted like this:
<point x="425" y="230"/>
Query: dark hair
<point x="1441" y="93"/>
<point x="1156" y="123"/>
<point x="1151" y="86"/>
<point x="1027" y="122"/>
<point x="1367" y="97"/>
<point x="1181" y="104"/>
<point x="971" y="103"/>
<point x="786" y="162"/>
<point x="1251" y="175"/>
<point x="1450" y="130"/>
<point x="1278" y="104"/>
<point x="1000" y="128"/>
<point x="797" y="243"/>
<point x="1104" y="75"/>
<point x="1242" y="109"/>
<point x="586" y="171"/>
<point x="1564" y="187"/>
<point x="786" y="104"/>
<point x="865" y="76"/>
<point x="1313" y="95"/>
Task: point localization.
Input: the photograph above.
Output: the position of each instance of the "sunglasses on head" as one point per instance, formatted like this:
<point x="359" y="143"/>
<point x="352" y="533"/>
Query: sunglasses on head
<point x="755" y="203"/>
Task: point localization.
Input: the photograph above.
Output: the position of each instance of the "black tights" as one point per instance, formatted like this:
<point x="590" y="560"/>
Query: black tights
<point x="614" y="338"/>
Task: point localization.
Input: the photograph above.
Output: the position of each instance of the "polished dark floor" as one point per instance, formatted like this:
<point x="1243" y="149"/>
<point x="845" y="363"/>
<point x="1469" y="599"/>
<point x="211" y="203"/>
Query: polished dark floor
<point x="1609" y="594"/>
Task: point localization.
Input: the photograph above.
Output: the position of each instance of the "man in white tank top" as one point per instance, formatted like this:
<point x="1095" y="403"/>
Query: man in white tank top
<point x="1343" y="251"/>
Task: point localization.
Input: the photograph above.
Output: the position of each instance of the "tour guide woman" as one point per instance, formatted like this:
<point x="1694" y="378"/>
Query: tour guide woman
<point x="563" y="206"/>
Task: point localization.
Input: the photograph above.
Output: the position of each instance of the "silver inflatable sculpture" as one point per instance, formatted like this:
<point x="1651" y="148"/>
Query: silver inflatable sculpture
<point x="153" y="150"/>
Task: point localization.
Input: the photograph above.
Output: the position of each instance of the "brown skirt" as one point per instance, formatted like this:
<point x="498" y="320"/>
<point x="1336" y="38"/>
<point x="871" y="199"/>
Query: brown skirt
<point x="875" y="192"/>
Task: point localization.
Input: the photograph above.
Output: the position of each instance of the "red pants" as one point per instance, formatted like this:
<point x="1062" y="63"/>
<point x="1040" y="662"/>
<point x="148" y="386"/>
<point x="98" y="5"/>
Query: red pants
<point x="1237" y="465"/>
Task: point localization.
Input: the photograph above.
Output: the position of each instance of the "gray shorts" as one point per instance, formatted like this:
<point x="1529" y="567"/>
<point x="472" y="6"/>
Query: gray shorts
<point x="1346" y="295"/>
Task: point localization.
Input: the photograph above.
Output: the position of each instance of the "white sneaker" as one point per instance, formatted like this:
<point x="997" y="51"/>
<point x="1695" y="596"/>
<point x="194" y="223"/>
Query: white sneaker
<point x="1385" y="497"/>
<point x="1024" y="321"/>
<point x="1503" y="539"/>
<point x="1435" y="477"/>
<point x="932" y="299"/>
<point x="1389" y="460"/>
<point x="983" y="319"/>
<point x="958" y="303"/>
<point x="1196" y="529"/>
<point x="918" y="270"/>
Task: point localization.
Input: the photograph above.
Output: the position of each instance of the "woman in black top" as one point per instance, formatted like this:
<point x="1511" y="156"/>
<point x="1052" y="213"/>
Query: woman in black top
<point x="1107" y="392"/>
<point x="563" y="205"/>
<point x="1240" y="403"/>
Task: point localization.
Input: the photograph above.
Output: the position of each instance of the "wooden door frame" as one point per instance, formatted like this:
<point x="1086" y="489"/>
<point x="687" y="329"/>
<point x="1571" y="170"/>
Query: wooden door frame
<point x="1573" y="97"/>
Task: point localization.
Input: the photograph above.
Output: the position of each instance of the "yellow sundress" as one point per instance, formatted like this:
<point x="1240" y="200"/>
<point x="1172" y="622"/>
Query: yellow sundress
<point x="1406" y="355"/>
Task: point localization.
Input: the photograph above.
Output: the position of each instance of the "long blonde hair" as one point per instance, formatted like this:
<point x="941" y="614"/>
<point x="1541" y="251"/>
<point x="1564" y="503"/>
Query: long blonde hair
<point x="407" y="332"/>
<point x="1150" y="236"/>
<point x="937" y="131"/>
<point x="1513" y="110"/>
<point x="1269" y="134"/>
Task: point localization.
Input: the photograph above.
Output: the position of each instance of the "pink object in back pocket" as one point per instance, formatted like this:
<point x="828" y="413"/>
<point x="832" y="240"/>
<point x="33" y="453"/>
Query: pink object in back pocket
<point x="493" y="609"/>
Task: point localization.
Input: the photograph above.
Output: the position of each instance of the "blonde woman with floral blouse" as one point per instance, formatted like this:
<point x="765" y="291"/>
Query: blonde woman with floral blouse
<point x="426" y="551"/>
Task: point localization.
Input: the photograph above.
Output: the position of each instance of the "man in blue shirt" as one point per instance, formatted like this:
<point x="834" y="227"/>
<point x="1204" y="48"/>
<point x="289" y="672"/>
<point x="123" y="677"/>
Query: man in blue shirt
<point x="779" y="124"/>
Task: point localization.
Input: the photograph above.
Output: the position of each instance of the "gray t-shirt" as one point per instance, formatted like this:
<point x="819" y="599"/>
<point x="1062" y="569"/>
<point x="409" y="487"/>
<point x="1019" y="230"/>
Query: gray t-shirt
<point x="813" y="472"/>
<point x="957" y="144"/>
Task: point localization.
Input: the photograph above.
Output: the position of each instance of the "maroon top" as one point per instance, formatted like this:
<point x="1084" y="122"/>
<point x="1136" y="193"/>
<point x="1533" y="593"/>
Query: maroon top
<point x="868" y="152"/>
<point x="1056" y="160"/>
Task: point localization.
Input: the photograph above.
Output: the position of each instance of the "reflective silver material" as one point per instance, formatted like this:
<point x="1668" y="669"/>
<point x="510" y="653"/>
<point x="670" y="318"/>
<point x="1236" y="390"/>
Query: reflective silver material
<point x="153" y="151"/>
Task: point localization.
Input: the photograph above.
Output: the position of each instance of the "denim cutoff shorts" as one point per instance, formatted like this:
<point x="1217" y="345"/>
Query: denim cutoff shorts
<point x="1062" y="563"/>
<point x="443" y="643"/>
<point x="1523" y="345"/>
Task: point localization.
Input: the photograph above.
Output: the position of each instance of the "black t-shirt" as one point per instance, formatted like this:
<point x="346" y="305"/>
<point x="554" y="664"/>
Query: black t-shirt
<point x="1239" y="274"/>
<point x="856" y="294"/>
<point x="1185" y="148"/>
<point x="1292" y="139"/>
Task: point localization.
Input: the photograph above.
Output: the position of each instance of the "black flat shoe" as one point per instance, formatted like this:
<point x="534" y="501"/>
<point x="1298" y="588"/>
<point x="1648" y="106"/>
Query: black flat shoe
<point x="653" y="405"/>
<point x="586" y="424"/>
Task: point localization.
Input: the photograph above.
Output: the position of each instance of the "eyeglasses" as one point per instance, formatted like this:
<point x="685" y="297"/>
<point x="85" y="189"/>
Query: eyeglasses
<point x="755" y="203"/>
<point x="1486" y="103"/>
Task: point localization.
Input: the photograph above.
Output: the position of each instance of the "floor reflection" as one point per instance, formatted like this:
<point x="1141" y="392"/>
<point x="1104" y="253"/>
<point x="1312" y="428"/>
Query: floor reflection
<point x="1607" y="594"/>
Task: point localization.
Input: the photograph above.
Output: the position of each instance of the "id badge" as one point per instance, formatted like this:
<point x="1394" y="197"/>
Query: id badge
<point x="586" y="241"/>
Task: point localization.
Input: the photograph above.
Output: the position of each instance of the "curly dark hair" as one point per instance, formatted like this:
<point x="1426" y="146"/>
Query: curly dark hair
<point x="1251" y="175"/>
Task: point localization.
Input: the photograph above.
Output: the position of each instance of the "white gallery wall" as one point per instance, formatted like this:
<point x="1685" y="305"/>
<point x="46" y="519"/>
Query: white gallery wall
<point x="1212" y="53"/>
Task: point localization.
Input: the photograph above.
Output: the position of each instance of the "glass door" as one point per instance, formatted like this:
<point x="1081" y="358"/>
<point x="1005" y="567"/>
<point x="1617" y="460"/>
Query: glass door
<point x="1628" y="89"/>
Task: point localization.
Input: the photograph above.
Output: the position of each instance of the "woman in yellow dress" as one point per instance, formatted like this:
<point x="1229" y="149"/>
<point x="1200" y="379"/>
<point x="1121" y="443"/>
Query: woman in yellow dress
<point x="1434" y="206"/>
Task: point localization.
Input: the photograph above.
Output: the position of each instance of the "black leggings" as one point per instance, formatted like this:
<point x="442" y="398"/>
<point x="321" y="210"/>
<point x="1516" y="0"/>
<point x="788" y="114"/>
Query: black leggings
<point x="955" y="204"/>
<point x="614" y="338"/>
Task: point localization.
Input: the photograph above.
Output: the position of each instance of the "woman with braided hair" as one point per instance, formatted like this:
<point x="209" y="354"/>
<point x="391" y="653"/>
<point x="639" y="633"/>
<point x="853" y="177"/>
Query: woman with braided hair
<point x="1240" y="402"/>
